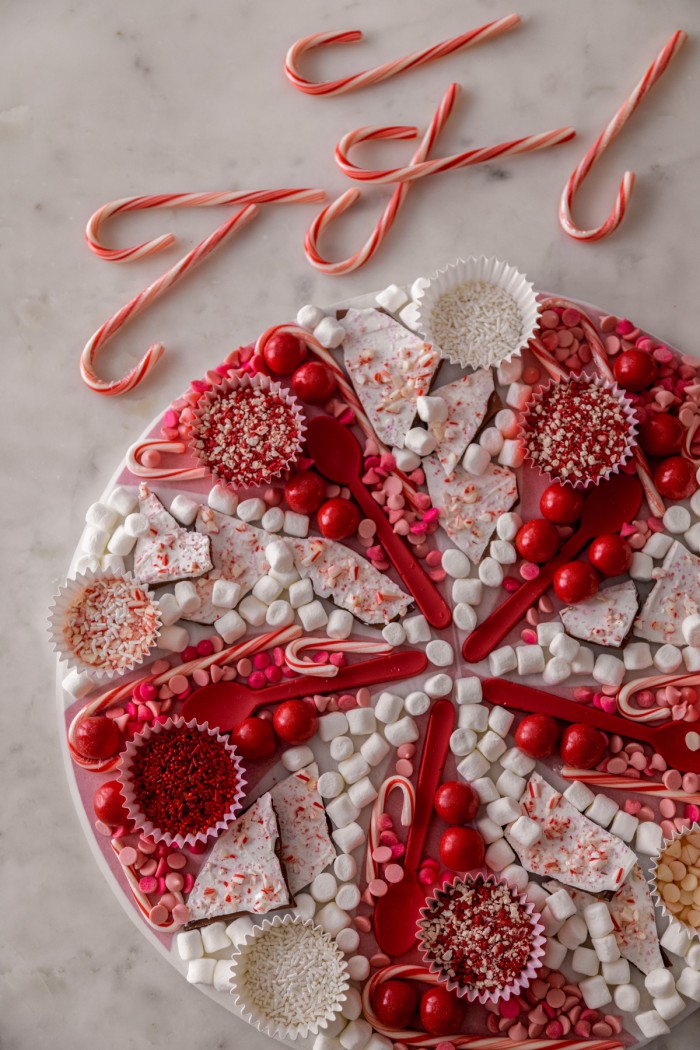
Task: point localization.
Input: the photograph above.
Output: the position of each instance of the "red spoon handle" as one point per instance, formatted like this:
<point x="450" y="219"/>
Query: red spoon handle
<point x="428" y="598"/>
<point x="435" y="747"/>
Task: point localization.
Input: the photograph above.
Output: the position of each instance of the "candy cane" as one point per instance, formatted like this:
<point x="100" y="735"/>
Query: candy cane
<point x="651" y="714"/>
<point x="389" y="69"/>
<point x="655" y="70"/>
<point x="143" y="300"/>
<point x="407" y="812"/>
<point x="123" y="690"/>
<point x="620" y="783"/>
<point x="409" y="1037"/>
<point x="548" y="361"/>
<point x="142" y="901"/>
<point x="136" y="452"/>
<point x="341" y="205"/>
<point x="179" y="200"/>
<point x="308" y="667"/>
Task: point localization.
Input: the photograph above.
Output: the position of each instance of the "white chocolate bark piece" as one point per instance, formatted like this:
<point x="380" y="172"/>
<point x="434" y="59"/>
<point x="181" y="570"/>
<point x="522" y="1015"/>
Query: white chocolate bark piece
<point x="572" y="848"/>
<point x="349" y="580"/>
<point x="604" y="619"/>
<point x="467" y="401"/>
<point x="167" y="552"/>
<point x="675" y="595"/>
<point x="237" y="554"/>
<point x="390" y="369"/>
<point x="306" y="845"/>
<point x="242" y="873"/>
<point x="470" y="505"/>
<point x="632" y="911"/>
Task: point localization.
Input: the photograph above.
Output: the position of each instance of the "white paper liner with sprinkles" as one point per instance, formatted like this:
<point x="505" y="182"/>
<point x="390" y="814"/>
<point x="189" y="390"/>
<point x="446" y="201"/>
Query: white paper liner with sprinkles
<point x="667" y="878"/>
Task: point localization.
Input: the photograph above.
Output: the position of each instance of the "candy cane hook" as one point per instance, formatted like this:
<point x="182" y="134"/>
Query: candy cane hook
<point x="389" y="69"/>
<point x="144" y="299"/>
<point x="613" y="129"/>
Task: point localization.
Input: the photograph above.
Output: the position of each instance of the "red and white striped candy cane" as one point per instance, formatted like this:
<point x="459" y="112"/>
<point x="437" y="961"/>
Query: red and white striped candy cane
<point x="179" y="200"/>
<point x="140" y="302"/>
<point x="292" y="654"/>
<point x="613" y="129"/>
<point x="388" y="69"/>
<point x="407" y="811"/>
<point x="142" y="901"/>
<point x="613" y="782"/>
<point x="548" y="361"/>
<point x="135" y="454"/>
<point x="341" y="205"/>
<point x="651" y="714"/>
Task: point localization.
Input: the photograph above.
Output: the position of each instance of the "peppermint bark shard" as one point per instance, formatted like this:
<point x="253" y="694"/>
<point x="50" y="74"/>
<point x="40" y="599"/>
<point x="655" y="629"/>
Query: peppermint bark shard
<point x="390" y="369"/>
<point x="675" y="595"/>
<point x="306" y="846"/>
<point x="467" y="403"/>
<point x="169" y="552"/>
<point x="469" y="505"/>
<point x="604" y="619"/>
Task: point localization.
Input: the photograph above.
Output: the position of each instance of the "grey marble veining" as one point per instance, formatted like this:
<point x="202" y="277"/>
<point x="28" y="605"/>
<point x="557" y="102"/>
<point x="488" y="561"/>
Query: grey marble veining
<point x="98" y="101"/>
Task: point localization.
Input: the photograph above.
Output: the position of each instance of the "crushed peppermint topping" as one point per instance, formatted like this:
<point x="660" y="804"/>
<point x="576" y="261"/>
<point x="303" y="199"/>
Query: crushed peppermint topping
<point x="111" y="624"/>
<point x="476" y="323"/>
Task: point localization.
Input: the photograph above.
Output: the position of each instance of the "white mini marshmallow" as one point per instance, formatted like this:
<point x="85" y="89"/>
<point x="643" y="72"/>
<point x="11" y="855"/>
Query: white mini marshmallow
<point x="637" y="656"/>
<point x="692" y="956"/>
<point x="341" y="747"/>
<point x="341" y="811"/>
<point x="251" y="509"/>
<point x="94" y="541"/>
<point x="201" y="971"/>
<point x="170" y="611"/>
<point x="281" y="614"/>
<point x="187" y="597"/>
<point x="595" y="992"/>
<point x="585" y="961"/>
<point x="502" y="660"/>
<point x="539" y="896"/>
<point x="651" y="1024"/>
<point x="627" y="998"/>
<point x="658" y="545"/>
<point x="350" y="1011"/>
<point x="438" y="685"/>
<point x="500" y="720"/>
<point x="468" y="591"/>
<point x="409" y="317"/>
<point x="189" y="945"/>
<point x="648" y="839"/>
<point x="530" y="659"/>
<point x="340" y="624"/>
<point x="309" y="316"/>
<point x="498" y="855"/>
<point x="241" y="928"/>
<point x="690" y="628"/>
<point x="492" y="440"/>
<point x="624" y="825"/>
<point x="492" y="746"/>
<point x="509" y="372"/>
<point x="456" y="564"/>
<point x="286" y="579"/>
<point x="332" y="918"/>
<point x="174" y="639"/>
<point x="556" y="670"/>
<point x="362" y="721"/>
<point x="417" y="629"/>
<point x="473" y="716"/>
<point x="462" y="742"/>
<point x="598" y="920"/>
<point x="225" y="594"/>
<point x="490" y="572"/>
<point x="329" y="332"/>
<point x="362" y="792"/>
<point x="515" y="876"/>
<point x="573" y="933"/>
<point x="564" y="646"/>
<point x="296" y="524"/>
<point x="434" y="410"/>
<point x="223" y="971"/>
<point x="675" y="937"/>
<point x="561" y="905"/>
<point x="677" y="519"/>
<point x="348" y="897"/>
<point x="295" y="758"/>
<point x="668" y="658"/>
<point x="77" y="684"/>
<point x="120" y="542"/>
<point x="508" y="526"/>
<point x="525" y="832"/>
<point x="691" y="659"/>
<point x="388" y="707"/>
<point x="512" y="454"/>
<point x="511" y="785"/>
<point x="609" y="670"/>
<point x="660" y="982"/>
<point x="417" y="703"/>
<point x="375" y="749"/>
<point x="330" y="785"/>
<point x="602" y="810"/>
<point x="353" y="769"/>
<point x="641" y="567"/>
<point x="579" y="795"/>
<point x="692" y="537"/>
<point x="345" y="868"/>
<point x="468" y="690"/>
<point x="215" y="938"/>
<point x="547" y="632"/>
<point x="440" y="653"/>
<point x="518" y="762"/>
<point x="473" y="766"/>
<point x="670" y="1006"/>
<point x="554" y="954"/>
<point x="357" y="1034"/>
<point x="230" y="626"/>
<point x="485" y="789"/>
<point x="301" y="593"/>
<point x="101" y="516"/>
<point x="85" y="563"/>
<point x="348" y="839"/>
<point x="420" y="441"/>
<point x="123" y="500"/>
<point x="391" y="298"/>
<point x="405" y="459"/>
<point x="464" y="617"/>
<point x="551" y="924"/>
<point x="503" y="811"/>
<point x="476" y="459"/>
<point x="253" y="611"/>
<point x="518" y="395"/>
<point x="606" y="948"/>
<point x="394" y="634"/>
<point x="688" y="983"/>
<point x="332" y="725"/>
<point x="405" y="731"/>
<point x="222" y="499"/>
<point x="503" y="552"/>
<point x="313" y="616"/>
<point x="184" y="509"/>
<point x="113" y="563"/>
<point x="279" y="555"/>
<point x="273" y="519"/>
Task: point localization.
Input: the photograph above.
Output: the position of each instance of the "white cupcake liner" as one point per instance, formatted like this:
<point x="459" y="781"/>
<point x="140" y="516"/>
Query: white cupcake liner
<point x="256" y="1017"/>
<point x="529" y="971"/>
<point x="58" y="610"/>
<point x="146" y="826"/>
<point x="693" y="931"/>
<point x="490" y="271"/>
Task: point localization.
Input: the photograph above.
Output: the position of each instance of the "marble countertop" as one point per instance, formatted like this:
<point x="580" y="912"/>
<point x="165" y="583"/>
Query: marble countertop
<point x="101" y="100"/>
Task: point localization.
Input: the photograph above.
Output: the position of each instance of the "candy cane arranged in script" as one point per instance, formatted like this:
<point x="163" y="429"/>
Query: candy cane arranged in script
<point x="292" y="654"/>
<point x="177" y="448"/>
<point x="179" y="200"/>
<point x="389" y="69"/>
<point x="655" y="70"/>
<point x="651" y="714"/>
<point x="548" y="361"/>
<point x="143" y="300"/>
<point x="621" y="783"/>
<point x="407" y="811"/>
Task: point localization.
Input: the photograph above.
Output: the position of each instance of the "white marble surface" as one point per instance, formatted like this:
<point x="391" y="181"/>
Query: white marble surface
<point x="102" y="100"/>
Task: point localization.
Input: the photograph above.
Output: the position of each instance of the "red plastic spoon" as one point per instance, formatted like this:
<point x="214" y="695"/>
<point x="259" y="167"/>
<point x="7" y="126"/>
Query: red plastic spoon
<point x="338" y="456"/>
<point x="398" y="911"/>
<point x="671" y="740"/>
<point x="607" y="508"/>
<point x="226" y="704"/>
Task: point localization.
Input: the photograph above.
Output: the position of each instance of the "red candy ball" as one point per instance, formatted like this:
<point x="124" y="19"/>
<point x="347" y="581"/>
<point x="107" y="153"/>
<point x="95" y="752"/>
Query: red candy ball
<point x="440" y="1011"/>
<point x="304" y="491"/>
<point x="537" y="540"/>
<point x="462" y="849"/>
<point x="575" y="581"/>
<point x="661" y="434"/>
<point x="97" y="737"/>
<point x="295" y="721"/>
<point x="610" y="555"/>
<point x="394" y="1003"/>
<point x="582" y="746"/>
<point x="537" y="735"/>
<point x="338" y="518"/>
<point x="561" y="504"/>
<point x="283" y="353"/>
<point x="254" y="739"/>
<point x="456" y="802"/>
<point x="313" y="382"/>
<point x="108" y="804"/>
<point x="635" y="370"/>
<point x="675" y="478"/>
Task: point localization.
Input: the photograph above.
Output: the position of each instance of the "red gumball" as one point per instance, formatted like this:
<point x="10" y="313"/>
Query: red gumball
<point x="440" y="1011"/>
<point x="582" y="746"/>
<point x="561" y="504"/>
<point x="97" y="737"/>
<point x="575" y="581"/>
<point x="456" y="802"/>
<point x="304" y="491"/>
<point x="675" y="478"/>
<point x="610" y="554"/>
<point x="635" y="370"/>
<point x="338" y="518"/>
<point x="537" y="735"/>
<point x="313" y="382"/>
<point x="661" y="434"/>
<point x="254" y="739"/>
<point x="295" y="721"/>
<point x="537" y="540"/>
<point x="283" y="353"/>
<point x="462" y="849"/>
<point x="394" y="1003"/>
<point x="108" y="804"/>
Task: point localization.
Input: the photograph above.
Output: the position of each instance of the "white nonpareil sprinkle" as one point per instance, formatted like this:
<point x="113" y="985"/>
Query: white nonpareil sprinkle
<point x="477" y="323"/>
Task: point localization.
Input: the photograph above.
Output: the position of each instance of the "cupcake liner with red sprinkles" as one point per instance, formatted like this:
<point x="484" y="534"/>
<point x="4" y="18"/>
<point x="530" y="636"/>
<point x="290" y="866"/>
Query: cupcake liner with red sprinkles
<point x="247" y="431"/>
<point x="481" y="938"/>
<point x="578" y="430"/>
<point x="183" y="783"/>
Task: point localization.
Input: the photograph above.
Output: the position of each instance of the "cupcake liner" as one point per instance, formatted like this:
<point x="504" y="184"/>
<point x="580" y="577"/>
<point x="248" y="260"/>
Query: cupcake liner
<point x="146" y="826"/>
<point x="489" y="271"/>
<point x="222" y="390"/>
<point x="529" y="971"/>
<point x="693" y="931"/>
<point x="613" y="389"/>
<point x="254" y="1015"/>
<point x="68" y="592"/>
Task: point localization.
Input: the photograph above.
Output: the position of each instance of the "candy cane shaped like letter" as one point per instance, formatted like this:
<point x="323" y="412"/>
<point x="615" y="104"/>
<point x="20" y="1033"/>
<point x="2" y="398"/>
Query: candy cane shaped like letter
<point x="407" y="812"/>
<point x="655" y="70"/>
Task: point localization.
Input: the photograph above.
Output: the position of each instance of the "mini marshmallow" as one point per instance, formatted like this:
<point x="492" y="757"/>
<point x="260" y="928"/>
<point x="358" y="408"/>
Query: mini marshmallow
<point x="170" y="611"/>
<point x="554" y="954"/>
<point x="529" y="659"/>
<point x="417" y="629"/>
<point x="348" y="897"/>
<point x="120" y="542"/>
<point x="512" y="454"/>
<point x="651" y="1024"/>
<point x="341" y="811"/>
<point x="222" y="499"/>
<point x="295" y="758"/>
<point x="627" y="998"/>
<point x="491" y="746"/>
<point x="285" y="578"/>
<point x="353" y="769"/>
<point x="690" y="628"/>
<point x="296" y="524"/>
<point x="392" y="298"/>
<point x="388" y="707"/>
<point x="691" y="659"/>
<point x="676" y="938"/>
<point x="688" y="984"/>
<point x="310" y="316"/>
<point x="546" y="632"/>
<point x="525" y="832"/>
<point x="201" y="971"/>
<point x="279" y="556"/>
<point x="379" y="1042"/>
<point x="184" y="509"/>
<point x="331" y="725"/>
<point x="511" y="785"/>
<point x="473" y="716"/>
<point x="468" y="690"/>
<point x="174" y="639"/>
<point x="409" y="317"/>
<point x="658" y="544"/>
<point x="561" y="905"/>
<point x="313" y="616"/>
<point x="113" y="563"/>
<point x="405" y="459"/>
<point x="468" y="591"/>
<point x="668" y="658"/>
<point x="225" y="594"/>
<point x="585" y="961"/>
<point x="123" y="500"/>
<point x="394" y="634"/>
<point x="440" y="653"/>
<point x="509" y="371"/>
<point x="660" y="983"/>
<point x="476" y="460"/>
<point x="230" y="626"/>
<point x="241" y="928"/>
<point x="489" y="830"/>
<point x="503" y="552"/>
<point x="490" y="572"/>
<point x="692" y="956"/>
<point x="649" y="838"/>
<point x="332" y="918"/>
<point x="556" y="670"/>
<point x="253" y="611"/>
<point x="606" y="948"/>
<point x="281" y="614"/>
<point x="434" y="410"/>
<point x="499" y="855"/>
<point x="579" y="795"/>
<point x="462" y="742"/>
<point x="608" y="670"/>
<point x="418" y="287"/>
<point x="500" y="720"/>
<point x="77" y="684"/>
<point x="438" y="685"/>
<point x="375" y="749"/>
<point x="602" y="810"/>
<point x="361" y="721"/>
<point x="405" y="731"/>
<point x="329" y="332"/>
<point x="273" y="519"/>
<point x="670" y="1006"/>
<point x="417" y="703"/>
<point x="641" y="567"/>
<point x="624" y="825"/>
<point x="189" y="945"/>
<point x="516" y="877"/>
<point x="187" y="597"/>
<point x="267" y="589"/>
<point x="598" y="920"/>
<point x="637" y="656"/>
<point x="485" y="789"/>
<point x="464" y="617"/>
<point x="103" y="517"/>
<point x="518" y="395"/>
<point x="357" y="1034"/>
<point x="564" y="647"/>
<point x="518" y="762"/>
<point x="215" y="938"/>
<point x="345" y="867"/>
<point x="348" y="839"/>
<point x="341" y="747"/>
<point x="362" y="792"/>
<point x="223" y="971"/>
<point x="330" y="785"/>
<point x="503" y="811"/>
<point x="692" y="537"/>
<point x="676" y="519"/>
<point x="473" y="766"/>
<point x="492" y="440"/>
<point x="502" y="660"/>
<point x="573" y="933"/>
<point x="539" y="896"/>
<point x="508" y="526"/>
<point x="507" y="422"/>
<point x="350" y="1011"/>
<point x="340" y="623"/>
<point x="551" y="924"/>
<point x="595" y="992"/>
<point x="420" y="441"/>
